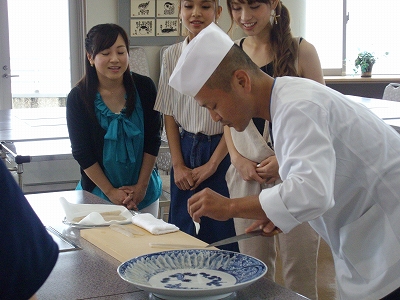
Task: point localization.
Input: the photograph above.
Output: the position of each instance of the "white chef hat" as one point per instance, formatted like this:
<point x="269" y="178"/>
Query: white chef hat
<point x="199" y="59"/>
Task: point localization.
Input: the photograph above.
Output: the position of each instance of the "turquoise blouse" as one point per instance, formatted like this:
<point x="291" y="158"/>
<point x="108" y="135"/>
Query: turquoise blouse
<point x="123" y="150"/>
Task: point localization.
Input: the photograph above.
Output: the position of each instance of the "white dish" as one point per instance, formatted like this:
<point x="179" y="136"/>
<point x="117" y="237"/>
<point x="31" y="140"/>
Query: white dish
<point x="192" y="273"/>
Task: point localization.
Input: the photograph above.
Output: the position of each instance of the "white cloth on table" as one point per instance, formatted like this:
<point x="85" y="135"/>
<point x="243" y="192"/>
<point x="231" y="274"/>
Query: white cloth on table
<point x="153" y="225"/>
<point x="94" y="214"/>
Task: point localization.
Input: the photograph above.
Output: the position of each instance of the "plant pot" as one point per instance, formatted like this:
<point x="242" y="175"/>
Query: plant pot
<point x="367" y="72"/>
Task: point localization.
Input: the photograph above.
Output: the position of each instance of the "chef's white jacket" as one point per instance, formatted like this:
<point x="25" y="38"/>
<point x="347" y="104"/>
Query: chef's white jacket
<point x="340" y="166"/>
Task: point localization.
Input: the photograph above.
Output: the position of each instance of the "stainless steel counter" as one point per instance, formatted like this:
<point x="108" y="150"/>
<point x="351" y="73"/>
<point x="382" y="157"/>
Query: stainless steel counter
<point x="48" y="164"/>
<point x="30" y="124"/>
<point x="90" y="273"/>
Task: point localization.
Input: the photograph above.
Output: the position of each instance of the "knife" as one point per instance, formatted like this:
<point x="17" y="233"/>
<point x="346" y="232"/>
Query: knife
<point x="237" y="238"/>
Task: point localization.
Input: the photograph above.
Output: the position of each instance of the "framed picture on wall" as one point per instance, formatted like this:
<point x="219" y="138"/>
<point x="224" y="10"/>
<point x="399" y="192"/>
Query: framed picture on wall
<point x="142" y="27"/>
<point x="167" y="27"/>
<point x="150" y="22"/>
<point x="168" y="9"/>
<point x="143" y="8"/>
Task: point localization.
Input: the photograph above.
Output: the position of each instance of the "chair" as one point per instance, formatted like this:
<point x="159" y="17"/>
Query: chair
<point x="138" y="61"/>
<point x="163" y="160"/>
<point x="164" y="157"/>
<point x="392" y="92"/>
<point x="163" y="163"/>
<point x="162" y="52"/>
<point x="164" y="202"/>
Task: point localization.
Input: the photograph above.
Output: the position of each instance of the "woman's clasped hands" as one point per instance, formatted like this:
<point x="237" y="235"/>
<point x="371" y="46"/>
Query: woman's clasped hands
<point x="128" y="196"/>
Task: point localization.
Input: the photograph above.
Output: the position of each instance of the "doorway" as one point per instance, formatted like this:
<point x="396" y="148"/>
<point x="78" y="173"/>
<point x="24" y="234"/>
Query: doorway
<point x="35" y="53"/>
<point x="5" y="80"/>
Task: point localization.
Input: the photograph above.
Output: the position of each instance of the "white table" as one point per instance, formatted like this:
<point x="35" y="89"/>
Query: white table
<point x="389" y="111"/>
<point x="395" y="123"/>
<point x="30" y="124"/>
<point x="384" y="109"/>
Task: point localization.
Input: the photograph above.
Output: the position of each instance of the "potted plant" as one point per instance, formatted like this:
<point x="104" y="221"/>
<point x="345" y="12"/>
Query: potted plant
<point x="365" y="60"/>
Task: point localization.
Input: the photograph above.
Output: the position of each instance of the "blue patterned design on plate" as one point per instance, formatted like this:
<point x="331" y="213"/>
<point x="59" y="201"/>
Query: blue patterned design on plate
<point x="195" y="272"/>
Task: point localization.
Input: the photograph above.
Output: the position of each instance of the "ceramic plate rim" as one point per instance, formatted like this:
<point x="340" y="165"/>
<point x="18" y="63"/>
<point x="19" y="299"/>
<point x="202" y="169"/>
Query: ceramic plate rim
<point x="196" y="293"/>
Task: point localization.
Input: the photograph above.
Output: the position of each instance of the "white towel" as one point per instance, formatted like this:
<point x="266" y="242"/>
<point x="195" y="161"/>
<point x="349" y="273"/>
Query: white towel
<point x="151" y="224"/>
<point x="92" y="213"/>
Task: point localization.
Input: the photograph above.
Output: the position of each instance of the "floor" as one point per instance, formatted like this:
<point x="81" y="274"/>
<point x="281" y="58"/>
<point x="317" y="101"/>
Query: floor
<point x="326" y="273"/>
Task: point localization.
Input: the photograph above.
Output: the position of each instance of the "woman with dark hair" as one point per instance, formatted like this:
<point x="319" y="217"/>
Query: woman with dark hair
<point x="270" y="44"/>
<point x="114" y="131"/>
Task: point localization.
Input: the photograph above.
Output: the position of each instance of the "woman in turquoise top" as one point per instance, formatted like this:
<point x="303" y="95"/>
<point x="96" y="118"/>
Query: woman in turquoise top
<point x="114" y="131"/>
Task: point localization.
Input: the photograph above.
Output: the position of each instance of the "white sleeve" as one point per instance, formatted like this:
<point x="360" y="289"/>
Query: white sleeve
<point x="307" y="164"/>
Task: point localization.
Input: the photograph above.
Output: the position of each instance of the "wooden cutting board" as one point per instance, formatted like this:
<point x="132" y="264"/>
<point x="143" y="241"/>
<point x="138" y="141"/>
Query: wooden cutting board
<point x="123" y="248"/>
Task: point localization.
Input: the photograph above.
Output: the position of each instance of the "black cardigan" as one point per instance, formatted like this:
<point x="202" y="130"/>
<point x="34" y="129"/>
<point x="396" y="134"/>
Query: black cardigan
<point x="87" y="136"/>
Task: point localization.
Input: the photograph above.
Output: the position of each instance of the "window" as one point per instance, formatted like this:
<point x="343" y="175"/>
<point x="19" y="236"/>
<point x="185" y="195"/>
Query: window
<point x="39" y="52"/>
<point x="341" y="29"/>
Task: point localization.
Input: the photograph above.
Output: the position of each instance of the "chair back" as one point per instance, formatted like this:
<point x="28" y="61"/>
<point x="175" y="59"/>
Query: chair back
<point x="138" y="61"/>
<point x="162" y="52"/>
<point x="392" y="92"/>
<point x="163" y="160"/>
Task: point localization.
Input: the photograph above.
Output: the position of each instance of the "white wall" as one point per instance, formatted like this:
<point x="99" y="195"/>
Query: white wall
<point x="297" y="10"/>
<point x="106" y="11"/>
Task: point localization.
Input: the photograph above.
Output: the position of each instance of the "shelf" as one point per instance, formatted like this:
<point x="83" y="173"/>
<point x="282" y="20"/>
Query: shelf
<point x="358" y="79"/>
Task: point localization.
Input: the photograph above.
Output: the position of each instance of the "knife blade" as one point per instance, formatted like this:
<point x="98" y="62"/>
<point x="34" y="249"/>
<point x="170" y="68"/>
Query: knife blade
<point x="236" y="238"/>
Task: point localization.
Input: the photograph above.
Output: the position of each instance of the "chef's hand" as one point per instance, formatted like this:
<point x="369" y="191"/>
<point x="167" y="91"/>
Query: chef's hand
<point x="247" y="169"/>
<point x="267" y="226"/>
<point x="183" y="177"/>
<point x="210" y="204"/>
<point x="135" y="195"/>
<point x="268" y="169"/>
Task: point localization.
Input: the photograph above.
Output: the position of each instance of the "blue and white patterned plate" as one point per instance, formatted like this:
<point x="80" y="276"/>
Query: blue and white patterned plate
<point x="192" y="273"/>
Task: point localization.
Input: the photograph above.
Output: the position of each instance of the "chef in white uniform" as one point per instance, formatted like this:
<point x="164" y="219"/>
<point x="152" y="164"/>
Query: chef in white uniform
<point x="339" y="163"/>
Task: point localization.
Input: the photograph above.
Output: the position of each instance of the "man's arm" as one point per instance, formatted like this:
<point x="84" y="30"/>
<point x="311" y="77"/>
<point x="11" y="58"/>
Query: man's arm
<point x="213" y="205"/>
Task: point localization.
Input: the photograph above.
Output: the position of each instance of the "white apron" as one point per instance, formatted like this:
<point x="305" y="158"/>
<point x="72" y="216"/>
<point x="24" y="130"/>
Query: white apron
<point x="252" y="145"/>
<point x="298" y="249"/>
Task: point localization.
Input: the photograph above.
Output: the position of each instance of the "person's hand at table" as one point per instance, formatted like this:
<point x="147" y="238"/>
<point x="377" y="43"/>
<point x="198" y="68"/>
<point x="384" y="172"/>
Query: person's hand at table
<point x="268" y="169"/>
<point x="210" y="204"/>
<point x="267" y="226"/>
<point x="203" y="172"/>
<point x="117" y="196"/>
<point x="213" y="205"/>
<point x="183" y="177"/>
<point x="135" y="194"/>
